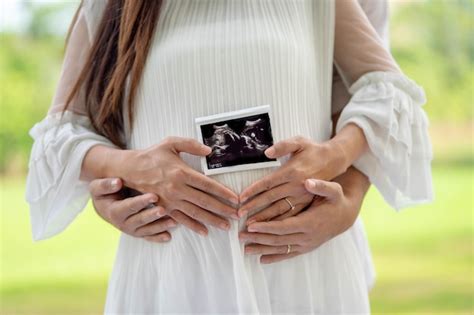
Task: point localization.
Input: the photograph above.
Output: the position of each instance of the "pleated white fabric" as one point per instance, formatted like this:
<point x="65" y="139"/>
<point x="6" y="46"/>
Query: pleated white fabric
<point x="210" y="57"/>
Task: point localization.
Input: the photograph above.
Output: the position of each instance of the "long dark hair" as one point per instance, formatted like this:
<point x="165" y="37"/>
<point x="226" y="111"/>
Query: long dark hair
<point x="120" y="48"/>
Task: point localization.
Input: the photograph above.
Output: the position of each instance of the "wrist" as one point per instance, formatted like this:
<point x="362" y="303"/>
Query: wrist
<point x="102" y="161"/>
<point x="354" y="184"/>
<point x="350" y="143"/>
<point x="116" y="163"/>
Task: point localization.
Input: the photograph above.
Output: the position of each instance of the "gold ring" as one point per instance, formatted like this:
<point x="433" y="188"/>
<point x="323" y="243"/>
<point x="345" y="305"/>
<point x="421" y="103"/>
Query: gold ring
<point x="290" y="204"/>
<point x="288" y="250"/>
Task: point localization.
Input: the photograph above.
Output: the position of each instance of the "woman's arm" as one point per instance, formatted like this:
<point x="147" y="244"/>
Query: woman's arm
<point x="387" y="106"/>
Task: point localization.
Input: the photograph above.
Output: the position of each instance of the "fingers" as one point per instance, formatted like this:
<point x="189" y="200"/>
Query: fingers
<point x="188" y="145"/>
<point x="268" y="197"/>
<point x="190" y="223"/>
<point x="258" y="249"/>
<point x="156" y="227"/>
<point x="285" y="147"/>
<point x="330" y="190"/>
<point x="273" y="258"/>
<point x="105" y="186"/>
<point x="305" y="201"/>
<point x="202" y="215"/>
<point x="208" y="202"/>
<point x="278" y="177"/>
<point x="276" y="209"/>
<point x="142" y="218"/>
<point x="159" y="238"/>
<point x="207" y="184"/>
<point x="271" y="239"/>
<point x="287" y="226"/>
<point x="129" y="206"/>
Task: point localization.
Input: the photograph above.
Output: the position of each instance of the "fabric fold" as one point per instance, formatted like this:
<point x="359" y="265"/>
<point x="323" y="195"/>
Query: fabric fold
<point x="53" y="189"/>
<point x="387" y="106"/>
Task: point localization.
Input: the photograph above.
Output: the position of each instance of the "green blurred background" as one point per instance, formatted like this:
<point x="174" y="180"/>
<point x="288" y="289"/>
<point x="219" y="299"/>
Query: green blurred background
<point x="423" y="255"/>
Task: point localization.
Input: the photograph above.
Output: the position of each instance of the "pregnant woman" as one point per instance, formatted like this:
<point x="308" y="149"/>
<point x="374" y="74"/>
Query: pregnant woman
<point x="137" y="73"/>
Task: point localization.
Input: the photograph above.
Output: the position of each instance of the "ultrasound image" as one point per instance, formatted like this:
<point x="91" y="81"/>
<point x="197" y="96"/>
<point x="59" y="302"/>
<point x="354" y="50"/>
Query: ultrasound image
<point x="238" y="141"/>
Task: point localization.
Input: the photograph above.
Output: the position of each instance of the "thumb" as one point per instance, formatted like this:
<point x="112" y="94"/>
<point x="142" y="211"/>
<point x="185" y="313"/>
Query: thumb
<point x="283" y="148"/>
<point x="190" y="146"/>
<point x="105" y="186"/>
<point x="330" y="190"/>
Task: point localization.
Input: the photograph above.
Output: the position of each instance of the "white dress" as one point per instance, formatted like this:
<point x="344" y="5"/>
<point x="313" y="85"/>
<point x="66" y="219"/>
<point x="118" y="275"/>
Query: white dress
<point x="210" y="57"/>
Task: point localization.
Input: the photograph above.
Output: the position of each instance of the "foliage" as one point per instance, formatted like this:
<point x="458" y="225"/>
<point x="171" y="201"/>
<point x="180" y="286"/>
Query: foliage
<point x="433" y="43"/>
<point x="430" y="40"/>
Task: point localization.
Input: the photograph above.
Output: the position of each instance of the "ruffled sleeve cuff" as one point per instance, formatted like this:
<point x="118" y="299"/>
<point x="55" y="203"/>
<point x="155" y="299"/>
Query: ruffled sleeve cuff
<point x="387" y="106"/>
<point x="53" y="189"/>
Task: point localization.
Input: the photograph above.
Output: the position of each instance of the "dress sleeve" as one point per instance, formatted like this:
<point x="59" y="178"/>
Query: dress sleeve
<point x="377" y="14"/>
<point x="387" y="106"/>
<point x="54" y="190"/>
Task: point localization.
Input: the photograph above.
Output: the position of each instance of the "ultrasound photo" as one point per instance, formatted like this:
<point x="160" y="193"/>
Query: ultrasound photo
<point x="237" y="139"/>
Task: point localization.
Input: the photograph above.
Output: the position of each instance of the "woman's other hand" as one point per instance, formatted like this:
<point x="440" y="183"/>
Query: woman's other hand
<point x="333" y="211"/>
<point x="188" y="196"/>
<point x="136" y="216"/>
<point x="282" y="192"/>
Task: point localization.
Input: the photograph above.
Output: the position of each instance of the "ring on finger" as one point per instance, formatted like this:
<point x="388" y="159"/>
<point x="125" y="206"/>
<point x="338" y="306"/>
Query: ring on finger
<point x="288" y="249"/>
<point x="292" y="207"/>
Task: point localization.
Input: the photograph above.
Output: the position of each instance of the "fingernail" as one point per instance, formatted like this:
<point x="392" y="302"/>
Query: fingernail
<point x="311" y="183"/>
<point x="270" y="151"/>
<point x="235" y="216"/>
<point x="161" y="211"/>
<point x="165" y="238"/>
<point x="243" y="213"/>
<point x="202" y="232"/>
<point x="225" y="226"/>
<point x="243" y="199"/>
<point x="251" y="228"/>
<point x="251" y="221"/>
<point x="234" y="200"/>
<point x="171" y="224"/>
<point x="152" y="200"/>
<point x="248" y="250"/>
<point x="114" y="183"/>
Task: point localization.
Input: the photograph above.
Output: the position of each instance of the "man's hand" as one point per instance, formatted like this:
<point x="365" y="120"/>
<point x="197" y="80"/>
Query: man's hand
<point x="136" y="216"/>
<point x="332" y="212"/>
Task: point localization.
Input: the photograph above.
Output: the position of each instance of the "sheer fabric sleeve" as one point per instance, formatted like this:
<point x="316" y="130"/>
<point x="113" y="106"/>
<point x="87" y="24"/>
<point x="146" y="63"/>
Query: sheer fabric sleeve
<point x="54" y="191"/>
<point x="387" y="106"/>
<point x="377" y="14"/>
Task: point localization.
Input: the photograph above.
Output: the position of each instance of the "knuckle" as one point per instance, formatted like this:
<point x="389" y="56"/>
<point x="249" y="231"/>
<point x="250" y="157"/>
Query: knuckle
<point x="172" y="189"/>
<point x="266" y="183"/>
<point x="142" y="220"/>
<point x="299" y="139"/>
<point x="113" y="215"/>
<point x="298" y="172"/>
<point x="92" y="187"/>
<point x="338" y="189"/>
<point x="273" y="241"/>
<point x="122" y="227"/>
<point x="177" y="173"/>
<point x="168" y="140"/>
<point x="202" y="200"/>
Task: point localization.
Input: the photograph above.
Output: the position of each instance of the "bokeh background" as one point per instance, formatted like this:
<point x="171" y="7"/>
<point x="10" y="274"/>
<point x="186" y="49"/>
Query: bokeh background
<point x="423" y="255"/>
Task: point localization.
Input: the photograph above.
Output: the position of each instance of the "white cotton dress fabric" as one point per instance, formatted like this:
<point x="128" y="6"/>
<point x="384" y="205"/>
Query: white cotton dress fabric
<point x="210" y="57"/>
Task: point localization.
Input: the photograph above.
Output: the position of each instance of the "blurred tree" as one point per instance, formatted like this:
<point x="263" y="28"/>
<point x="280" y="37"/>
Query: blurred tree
<point x="432" y="41"/>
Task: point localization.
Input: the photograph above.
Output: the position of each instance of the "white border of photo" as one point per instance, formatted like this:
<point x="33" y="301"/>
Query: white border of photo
<point x="229" y="116"/>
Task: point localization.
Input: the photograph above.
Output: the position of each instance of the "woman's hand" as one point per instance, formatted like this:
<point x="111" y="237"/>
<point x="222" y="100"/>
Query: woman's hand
<point x="135" y="216"/>
<point x="282" y="194"/>
<point x="331" y="213"/>
<point x="283" y="191"/>
<point x="186" y="195"/>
